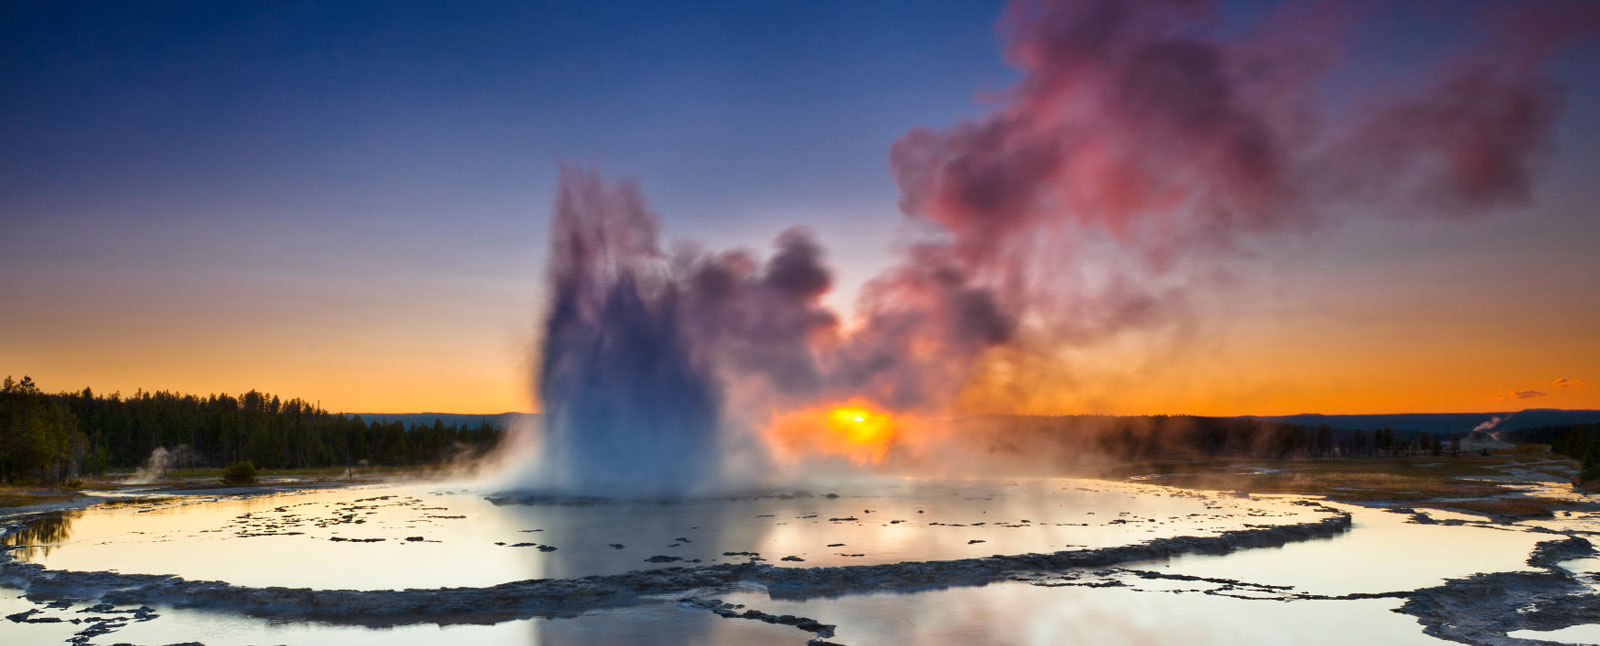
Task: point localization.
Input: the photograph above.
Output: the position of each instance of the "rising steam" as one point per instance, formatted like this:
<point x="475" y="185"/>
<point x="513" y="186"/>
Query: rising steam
<point x="160" y="463"/>
<point x="1138" y="145"/>
<point x="628" y="407"/>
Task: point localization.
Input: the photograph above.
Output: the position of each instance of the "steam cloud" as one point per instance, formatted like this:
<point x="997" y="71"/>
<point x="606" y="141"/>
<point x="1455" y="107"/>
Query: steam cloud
<point x="1490" y="424"/>
<point x="1138" y="144"/>
<point x="160" y="462"/>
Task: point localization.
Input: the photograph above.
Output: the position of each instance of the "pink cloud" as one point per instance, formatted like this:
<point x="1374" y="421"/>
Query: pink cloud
<point x="1520" y="394"/>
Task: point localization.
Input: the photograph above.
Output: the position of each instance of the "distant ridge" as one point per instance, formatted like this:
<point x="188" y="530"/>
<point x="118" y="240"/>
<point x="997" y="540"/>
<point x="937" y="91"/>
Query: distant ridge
<point x="1440" y="422"/>
<point x="1423" y="422"/>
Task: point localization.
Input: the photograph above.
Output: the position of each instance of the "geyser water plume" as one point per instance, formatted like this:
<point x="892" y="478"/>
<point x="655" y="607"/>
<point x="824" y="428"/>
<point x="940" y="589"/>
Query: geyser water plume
<point x="628" y="410"/>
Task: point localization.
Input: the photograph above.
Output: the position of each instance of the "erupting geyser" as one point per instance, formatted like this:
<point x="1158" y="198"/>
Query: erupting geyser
<point x="1140" y="154"/>
<point x="628" y="409"/>
<point x="659" y="372"/>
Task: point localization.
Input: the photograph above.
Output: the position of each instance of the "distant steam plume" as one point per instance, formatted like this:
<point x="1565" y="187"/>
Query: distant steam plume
<point x="155" y="467"/>
<point x="160" y="462"/>
<point x="1139" y="145"/>
<point x="1491" y="423"/>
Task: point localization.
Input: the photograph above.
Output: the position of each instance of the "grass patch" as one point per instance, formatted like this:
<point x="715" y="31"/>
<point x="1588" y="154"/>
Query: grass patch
<point x="311" y="473"/>
<point x="28" y="496"/>
<point x="187" y="479"/>
<point x="1519" y="507"/>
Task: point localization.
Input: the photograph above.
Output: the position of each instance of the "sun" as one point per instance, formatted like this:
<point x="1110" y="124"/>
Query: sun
<point x="854" y="429"/>
<point x="859" y="425"/>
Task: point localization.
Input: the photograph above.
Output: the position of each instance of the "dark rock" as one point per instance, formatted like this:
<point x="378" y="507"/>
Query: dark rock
<point x="23" y="616"/>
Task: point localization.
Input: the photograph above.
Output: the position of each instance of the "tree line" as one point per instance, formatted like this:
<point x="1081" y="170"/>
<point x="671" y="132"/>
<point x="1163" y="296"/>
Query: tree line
<point x="1162" y="436"/>
<point x="50" y="437"/>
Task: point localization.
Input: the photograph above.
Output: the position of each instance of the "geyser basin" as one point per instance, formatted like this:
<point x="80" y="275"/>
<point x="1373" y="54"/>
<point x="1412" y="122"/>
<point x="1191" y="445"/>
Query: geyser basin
<point x="1128" y="559"/>
<point x="416" y="536"/>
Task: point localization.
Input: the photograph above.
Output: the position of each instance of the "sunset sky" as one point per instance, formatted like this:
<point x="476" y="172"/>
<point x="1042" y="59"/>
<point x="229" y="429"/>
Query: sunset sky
<point x="349" y="203"/>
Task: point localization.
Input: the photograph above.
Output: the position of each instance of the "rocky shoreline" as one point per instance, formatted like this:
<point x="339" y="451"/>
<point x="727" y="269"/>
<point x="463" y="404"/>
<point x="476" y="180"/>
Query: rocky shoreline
<point x="1485" y="608"/>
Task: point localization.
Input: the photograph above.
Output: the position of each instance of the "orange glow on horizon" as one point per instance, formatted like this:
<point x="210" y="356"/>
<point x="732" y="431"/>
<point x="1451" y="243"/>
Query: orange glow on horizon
<point x="855" y="430"/>
<point x="1418" y="345"/>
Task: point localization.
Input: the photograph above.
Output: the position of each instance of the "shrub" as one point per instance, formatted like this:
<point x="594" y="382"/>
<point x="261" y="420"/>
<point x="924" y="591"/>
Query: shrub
<point x="243" y="472"/>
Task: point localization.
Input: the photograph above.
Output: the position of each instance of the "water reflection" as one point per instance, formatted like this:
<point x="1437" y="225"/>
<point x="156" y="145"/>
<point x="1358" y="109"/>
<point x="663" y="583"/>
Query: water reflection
<point x="1017" y="614"/>
<point x="1582" y="634"/>
<point x="1383" y="552"/>
<point x="391" y="537"/>
<point x="38" y="537"/>
<point x="662" y="623"/>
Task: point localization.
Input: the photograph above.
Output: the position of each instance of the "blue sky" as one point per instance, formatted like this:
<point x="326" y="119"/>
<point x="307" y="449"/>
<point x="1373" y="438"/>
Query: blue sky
<point x="347" y="183"/>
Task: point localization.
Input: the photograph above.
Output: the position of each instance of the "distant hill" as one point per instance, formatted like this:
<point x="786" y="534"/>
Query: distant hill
<point x="1441" y="422"/>
<point x="1421" y="422"/>
<point x="500" y="421"/>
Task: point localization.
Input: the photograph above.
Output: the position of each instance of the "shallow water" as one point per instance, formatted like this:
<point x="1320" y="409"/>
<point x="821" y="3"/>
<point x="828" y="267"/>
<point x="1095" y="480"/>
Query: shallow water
<point x="1588" y="521"/>
<point x="1585" y="634"/>
<point x="1019" y="613"/>
<point x="428" y="536"/>
<point x="1249" y="596"/>
<point x="1588" y="571"/>
<point x="1383" y="552"/>
<point x="651" y="624"/>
